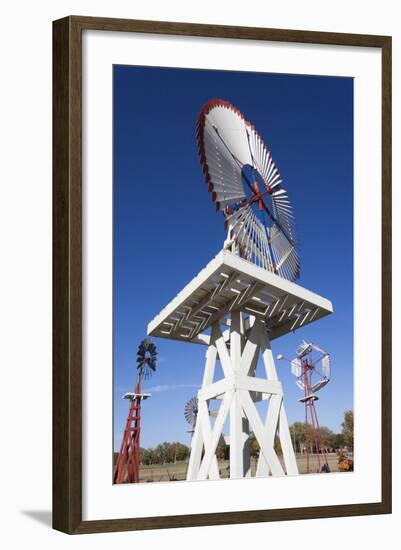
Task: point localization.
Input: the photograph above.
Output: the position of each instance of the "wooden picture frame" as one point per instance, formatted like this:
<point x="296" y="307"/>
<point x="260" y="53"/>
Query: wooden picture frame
<point x="67" y="273"/>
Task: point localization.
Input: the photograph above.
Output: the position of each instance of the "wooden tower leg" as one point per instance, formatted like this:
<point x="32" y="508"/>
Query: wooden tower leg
<point x="197" y="442"/>
<point x="238" y="437"/>
<point x="283" y="429"/>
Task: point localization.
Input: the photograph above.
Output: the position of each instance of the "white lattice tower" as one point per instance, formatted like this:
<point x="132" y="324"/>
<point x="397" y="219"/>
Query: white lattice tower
<point x="236" y="308"/>
<point x="238" y="391"/>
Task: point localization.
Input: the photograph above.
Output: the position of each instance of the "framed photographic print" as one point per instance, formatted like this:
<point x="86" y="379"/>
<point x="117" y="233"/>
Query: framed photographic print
<point x="222" y="274"/>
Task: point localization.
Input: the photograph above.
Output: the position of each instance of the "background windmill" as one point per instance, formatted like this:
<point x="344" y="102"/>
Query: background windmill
<point x="146" y="358"/>
<point x="127" y="466"/>
<point x="191" y="413"/>
<point x="311" y="368"/>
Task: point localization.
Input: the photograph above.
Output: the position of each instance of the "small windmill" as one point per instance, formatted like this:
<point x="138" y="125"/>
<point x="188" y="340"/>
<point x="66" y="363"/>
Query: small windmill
<point x="191" y="413"/>
<point x="311" y="368"/>
<point x="127" y="466"/>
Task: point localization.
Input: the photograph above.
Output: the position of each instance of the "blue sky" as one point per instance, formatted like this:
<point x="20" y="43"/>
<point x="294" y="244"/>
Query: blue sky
<point x="166" y="228"/>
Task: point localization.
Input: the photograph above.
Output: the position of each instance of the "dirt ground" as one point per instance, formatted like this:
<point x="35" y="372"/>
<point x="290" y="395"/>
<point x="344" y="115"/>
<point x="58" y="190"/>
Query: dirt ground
<point x="177" y="472"/>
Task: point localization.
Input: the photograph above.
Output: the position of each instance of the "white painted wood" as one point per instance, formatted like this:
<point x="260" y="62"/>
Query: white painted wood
<point x="238" y="349"/>
<point x="237" y="268"/>
<point x="246" y="446"/>
<point x="235" y="340"/>
<point x="254" y="362"/>
<point x="250" y="383"/>
<point x="251" y="347"/>
<point x="205" y="339"/>
<point x="286" y="443"/>
<point x="211" y="355"/>
<point x="196" y="453"/>
<point x="204" y="425"/>
<point x="236" y="440"/>
<point x="216" y="389"/>
<point x="211" y="442"/>
<point x="267" y="354"/>
<point x="262" y="468"/>
<point x="224" y="355"/>
<point x="236" y="435"/>
<point x="198" y="437"/>
<point x="237" y="391"/>
<point x="263" y="434"/>
<point x="238" y="326"/>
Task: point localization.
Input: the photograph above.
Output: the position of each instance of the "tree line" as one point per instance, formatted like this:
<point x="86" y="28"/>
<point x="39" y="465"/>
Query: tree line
<point x="164" y="453"/>
<point x="330" y="440"/>
<point x="168" y="453"/>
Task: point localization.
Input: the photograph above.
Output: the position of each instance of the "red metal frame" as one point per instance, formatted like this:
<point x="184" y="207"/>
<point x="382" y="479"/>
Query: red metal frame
<point x="312" y="427"/>
<point x="127" y="466"/>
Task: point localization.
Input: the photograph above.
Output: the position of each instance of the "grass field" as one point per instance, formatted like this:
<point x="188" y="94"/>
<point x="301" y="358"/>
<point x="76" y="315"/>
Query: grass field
<point x="177" y="472"/>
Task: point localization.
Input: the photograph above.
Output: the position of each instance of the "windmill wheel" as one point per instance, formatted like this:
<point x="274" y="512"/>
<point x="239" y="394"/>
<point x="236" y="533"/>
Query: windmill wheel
<point x="146" y="358"/>
<point x="246" y="187"/>
<point x="191" y="411"/>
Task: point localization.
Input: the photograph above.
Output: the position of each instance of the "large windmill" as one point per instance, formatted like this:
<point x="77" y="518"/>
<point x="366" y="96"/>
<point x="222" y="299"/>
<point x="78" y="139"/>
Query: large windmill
<point x="243" y="299"/>
<point x="127" y="465"/>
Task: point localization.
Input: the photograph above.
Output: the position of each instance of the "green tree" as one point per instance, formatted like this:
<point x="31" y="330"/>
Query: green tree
<point x="165" y="453"/>
<point x="327" y="437"/>
<point x="169" y="452"/>
<point x="160" y="453"/>
<point x="145" y="456"/>
<point x="181" y="451"/>
<point x="254" y="445"/>
<point x="221" y="450"/>
<point x="339" y="441"/>
<point x="277" y="445"/>
<point x="348" y="429"/>
<point x="298" y="436"/>
<point x="297" y="433"/>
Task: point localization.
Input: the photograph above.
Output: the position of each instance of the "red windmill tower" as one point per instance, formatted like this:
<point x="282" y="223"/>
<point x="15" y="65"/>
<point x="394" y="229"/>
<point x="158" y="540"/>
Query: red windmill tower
<point x="127" y="466"/>
<point x="311" y="368"/>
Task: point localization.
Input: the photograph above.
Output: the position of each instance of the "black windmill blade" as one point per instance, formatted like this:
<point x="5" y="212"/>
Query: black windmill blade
<point x="191" y="411"/>
<point x="146" y="359"/>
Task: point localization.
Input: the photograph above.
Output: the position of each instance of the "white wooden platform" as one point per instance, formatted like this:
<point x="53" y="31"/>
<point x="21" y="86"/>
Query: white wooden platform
<point x="229" y="283"/>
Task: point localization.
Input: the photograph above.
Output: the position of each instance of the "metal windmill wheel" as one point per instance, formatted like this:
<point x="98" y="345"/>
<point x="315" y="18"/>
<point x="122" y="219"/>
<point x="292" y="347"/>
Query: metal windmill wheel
<point x="146" y="358"/>
<point x="311" y="368"/>
<point x="246" y="186"/>
<point x="191" y="411"/>
<point x="318" y="367"/>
